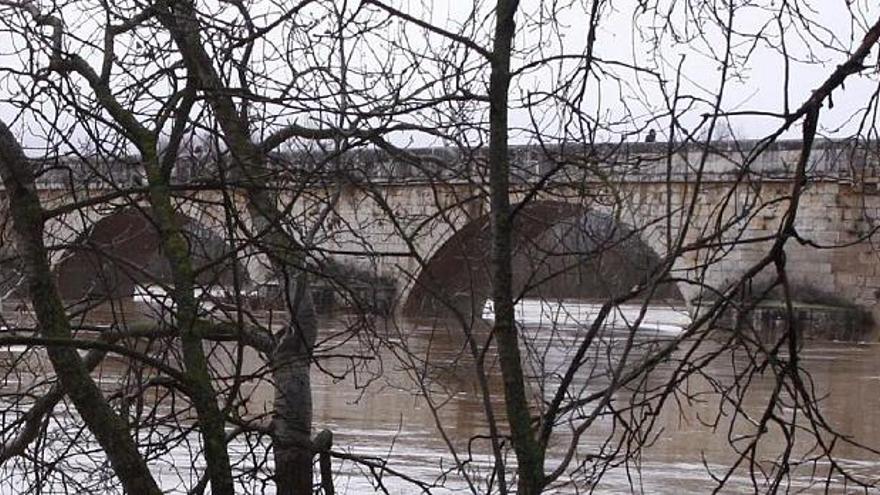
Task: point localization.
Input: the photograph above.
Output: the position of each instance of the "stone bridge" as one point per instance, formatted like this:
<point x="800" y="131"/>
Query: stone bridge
<point x="420" y="220"/>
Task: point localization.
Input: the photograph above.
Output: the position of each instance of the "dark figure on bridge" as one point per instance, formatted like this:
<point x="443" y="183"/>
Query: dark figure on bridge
<point x="651" y="137"/>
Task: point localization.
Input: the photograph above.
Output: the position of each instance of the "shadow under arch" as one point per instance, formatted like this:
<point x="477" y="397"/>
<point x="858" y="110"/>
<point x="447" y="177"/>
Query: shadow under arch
<point x="561" y="250"/>
<point x="123" y="250"/>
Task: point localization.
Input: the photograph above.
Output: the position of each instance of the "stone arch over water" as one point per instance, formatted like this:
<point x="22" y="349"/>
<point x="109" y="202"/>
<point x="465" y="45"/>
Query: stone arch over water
<point x="122" y="250"/>
<point x="561" y="250"/>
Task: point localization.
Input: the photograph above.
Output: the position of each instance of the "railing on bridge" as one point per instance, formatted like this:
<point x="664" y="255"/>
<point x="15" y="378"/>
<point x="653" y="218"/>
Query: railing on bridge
<point x="849" y="161"/>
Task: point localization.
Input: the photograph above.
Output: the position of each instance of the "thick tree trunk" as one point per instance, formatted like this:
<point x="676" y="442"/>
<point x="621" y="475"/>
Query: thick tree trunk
<point x="109" y="429"/>
<point x="293" y="395"/>
<point x="529" y="455"/>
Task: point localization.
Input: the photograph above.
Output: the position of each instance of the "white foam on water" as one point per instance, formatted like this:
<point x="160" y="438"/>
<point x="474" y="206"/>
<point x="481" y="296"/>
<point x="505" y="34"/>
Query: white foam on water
<point x="539" y="312"/>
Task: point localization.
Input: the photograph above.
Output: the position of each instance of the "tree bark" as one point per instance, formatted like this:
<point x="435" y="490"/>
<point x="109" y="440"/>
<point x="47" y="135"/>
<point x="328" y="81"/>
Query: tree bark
<point x="529" y="455"/>
<point x="293" y="394"/>
<point x="109" y="429"/>
<point x="204" y="398"/>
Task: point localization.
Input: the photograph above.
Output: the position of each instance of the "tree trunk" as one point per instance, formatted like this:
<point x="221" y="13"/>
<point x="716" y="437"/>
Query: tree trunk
<point x="204" y="398"/>
<point x="109" y="429"/>
<point x="293" y="394"/>
<point x="291" y="359"/>
<point x="529" y="455"/>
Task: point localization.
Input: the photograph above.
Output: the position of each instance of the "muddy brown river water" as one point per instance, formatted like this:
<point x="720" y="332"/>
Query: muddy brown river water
<point x="393" y="418"/>
<point x="378" y="409"/>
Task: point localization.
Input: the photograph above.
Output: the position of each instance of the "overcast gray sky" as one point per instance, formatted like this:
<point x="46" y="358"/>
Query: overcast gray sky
<point x="635" y="98"/>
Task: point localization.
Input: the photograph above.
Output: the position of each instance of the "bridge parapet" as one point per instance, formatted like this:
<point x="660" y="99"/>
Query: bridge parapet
<point x="722" y="161"/>
<point x="847" y="161"/>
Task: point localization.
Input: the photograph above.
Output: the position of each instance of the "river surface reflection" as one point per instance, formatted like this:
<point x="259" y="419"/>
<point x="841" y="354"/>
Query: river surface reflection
<point x="378" y="407"/>
<point x="391" y="418"/>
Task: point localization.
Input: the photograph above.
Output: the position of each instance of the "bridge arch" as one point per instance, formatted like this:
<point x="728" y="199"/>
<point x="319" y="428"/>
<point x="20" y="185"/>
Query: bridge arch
<point x="121" y="250"/>
<point x="456" y="272"/>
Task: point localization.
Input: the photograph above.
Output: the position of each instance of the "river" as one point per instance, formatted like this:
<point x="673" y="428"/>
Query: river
<point x="376" y="407"/>
<point x="392" y="417"/>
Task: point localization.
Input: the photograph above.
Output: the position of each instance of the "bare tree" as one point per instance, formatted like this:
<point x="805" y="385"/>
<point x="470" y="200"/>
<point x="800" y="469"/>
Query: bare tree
<point x="578" y="145"/>
<point x="226" y="162"/>
<point x="151" y="130"/>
